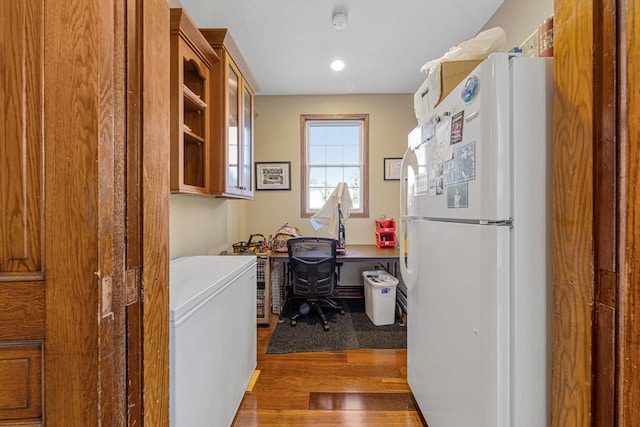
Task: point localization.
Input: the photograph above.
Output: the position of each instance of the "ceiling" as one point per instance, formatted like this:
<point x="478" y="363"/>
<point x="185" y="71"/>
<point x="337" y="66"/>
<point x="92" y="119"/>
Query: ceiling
<point x="289" y="44"/>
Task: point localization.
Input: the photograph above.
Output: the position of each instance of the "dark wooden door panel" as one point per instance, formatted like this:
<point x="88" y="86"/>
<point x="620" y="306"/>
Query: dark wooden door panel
<point x="605" y="213"/>
<point x="628" y="407"/>
<point x="21" y="121"/>
<point x="21" y="379"/>
<point x="22" y="286"/>
<point x="134" y="79"/>
<point x="22" y="311"/>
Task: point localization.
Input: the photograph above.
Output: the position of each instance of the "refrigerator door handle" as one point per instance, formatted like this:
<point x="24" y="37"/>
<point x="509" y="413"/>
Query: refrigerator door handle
<point x="408" y="255"/>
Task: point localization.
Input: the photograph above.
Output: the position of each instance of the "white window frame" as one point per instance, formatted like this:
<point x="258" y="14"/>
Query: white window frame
<point x="305" y="120"/>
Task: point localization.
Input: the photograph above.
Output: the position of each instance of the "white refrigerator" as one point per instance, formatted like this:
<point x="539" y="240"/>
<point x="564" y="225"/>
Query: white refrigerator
<point x="476" y="221"/>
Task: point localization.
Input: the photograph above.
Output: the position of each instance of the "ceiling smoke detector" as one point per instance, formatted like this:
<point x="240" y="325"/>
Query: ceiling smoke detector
<point x="339" y="21"/>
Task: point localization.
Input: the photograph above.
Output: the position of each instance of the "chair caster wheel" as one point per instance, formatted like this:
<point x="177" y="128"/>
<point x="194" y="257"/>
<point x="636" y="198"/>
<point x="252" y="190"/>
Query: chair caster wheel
<point x="325" y="327"/>
<point x="342" y="312"/>
<point x="293" y="323"/>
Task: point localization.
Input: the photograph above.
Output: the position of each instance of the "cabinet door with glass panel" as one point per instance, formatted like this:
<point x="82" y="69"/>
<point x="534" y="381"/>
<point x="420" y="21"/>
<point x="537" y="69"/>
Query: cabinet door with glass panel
<point x="239" y="178"/>
<point x="232" y="120"/>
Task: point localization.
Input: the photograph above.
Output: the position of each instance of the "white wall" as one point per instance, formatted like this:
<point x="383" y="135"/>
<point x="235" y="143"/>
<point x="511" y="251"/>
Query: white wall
<point x="520" y="18"/>
<point x="277" y="138"/>
<point x="204" y="225"/>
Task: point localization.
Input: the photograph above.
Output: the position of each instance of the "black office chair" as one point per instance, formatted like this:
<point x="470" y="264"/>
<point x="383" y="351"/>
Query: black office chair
<point x="312" y="266"/>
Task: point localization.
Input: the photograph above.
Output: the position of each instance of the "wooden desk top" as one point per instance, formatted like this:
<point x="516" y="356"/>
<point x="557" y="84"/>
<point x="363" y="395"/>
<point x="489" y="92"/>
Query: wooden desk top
<point x="355" y="253"/>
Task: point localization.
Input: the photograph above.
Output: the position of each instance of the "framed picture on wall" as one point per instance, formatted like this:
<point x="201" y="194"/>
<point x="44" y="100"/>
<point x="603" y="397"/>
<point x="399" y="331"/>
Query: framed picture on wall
<point x="273" y="176"/>
<point x="392" y="168"/>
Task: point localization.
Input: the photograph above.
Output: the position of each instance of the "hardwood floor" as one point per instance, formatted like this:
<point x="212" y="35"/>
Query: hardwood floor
<point x="341" y="388"/>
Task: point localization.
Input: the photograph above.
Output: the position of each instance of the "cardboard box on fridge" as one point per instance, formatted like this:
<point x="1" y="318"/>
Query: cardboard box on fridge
<point x="439" y="84"/>
<point x="452" y="73"/>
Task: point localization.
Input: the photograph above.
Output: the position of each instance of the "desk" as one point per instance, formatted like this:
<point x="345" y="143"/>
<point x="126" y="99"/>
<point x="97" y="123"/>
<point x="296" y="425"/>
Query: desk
<point x="355" y="253"/>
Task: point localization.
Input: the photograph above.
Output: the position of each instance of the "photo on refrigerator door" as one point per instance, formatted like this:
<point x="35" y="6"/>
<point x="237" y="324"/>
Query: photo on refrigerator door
<point x="466" y="156"/>
<point x="435" y="180"/>
<point x="450" y="172"/>
<point x="457" y="196"/>
<point x="456" y="127"/>
<point x="462" y="167"/>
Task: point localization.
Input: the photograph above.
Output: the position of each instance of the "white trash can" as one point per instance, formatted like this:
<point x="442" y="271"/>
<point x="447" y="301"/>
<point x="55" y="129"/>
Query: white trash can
<point x="380" y="296"/>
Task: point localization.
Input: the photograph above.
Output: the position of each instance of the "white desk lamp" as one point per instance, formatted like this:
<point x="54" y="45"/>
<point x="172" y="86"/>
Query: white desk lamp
<point x="334" y="213"/>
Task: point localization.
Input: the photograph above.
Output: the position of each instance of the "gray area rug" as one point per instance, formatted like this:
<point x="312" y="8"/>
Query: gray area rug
<point x="352" y="331"/>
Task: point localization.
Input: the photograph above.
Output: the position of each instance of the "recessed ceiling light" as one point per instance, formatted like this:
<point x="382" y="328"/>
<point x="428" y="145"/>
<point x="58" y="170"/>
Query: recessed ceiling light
<point x="337" y="65"/>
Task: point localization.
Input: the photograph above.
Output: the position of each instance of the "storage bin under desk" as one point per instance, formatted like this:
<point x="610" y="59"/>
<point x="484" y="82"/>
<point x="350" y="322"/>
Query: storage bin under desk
<point x="263" y="291"/>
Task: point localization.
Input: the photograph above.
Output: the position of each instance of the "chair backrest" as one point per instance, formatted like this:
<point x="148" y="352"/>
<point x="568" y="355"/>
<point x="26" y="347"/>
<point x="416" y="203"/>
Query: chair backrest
<point x="312" y="261"/>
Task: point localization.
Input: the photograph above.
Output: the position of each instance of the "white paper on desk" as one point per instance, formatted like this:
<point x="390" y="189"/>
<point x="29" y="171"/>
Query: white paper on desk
<point x="328" y="216"/>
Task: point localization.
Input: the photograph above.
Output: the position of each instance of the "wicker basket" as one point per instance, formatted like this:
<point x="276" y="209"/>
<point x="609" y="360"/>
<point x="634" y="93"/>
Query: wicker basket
<point x="254" y="245"/>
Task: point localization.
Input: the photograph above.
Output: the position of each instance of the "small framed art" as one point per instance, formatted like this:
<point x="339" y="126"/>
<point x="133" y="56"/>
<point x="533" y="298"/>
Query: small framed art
<point x="273" y="176"/>
<point x="392" y="168"/>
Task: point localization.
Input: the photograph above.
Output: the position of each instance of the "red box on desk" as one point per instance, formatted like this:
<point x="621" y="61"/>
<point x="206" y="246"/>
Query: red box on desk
<point x="386" y="240"/>
<point x="385" y="233"/>
<point x="385" y="226"/>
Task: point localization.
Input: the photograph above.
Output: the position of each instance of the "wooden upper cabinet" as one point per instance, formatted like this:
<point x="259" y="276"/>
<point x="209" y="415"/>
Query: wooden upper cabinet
<point x="232" y="104"/>
<point x="192" y="59"/>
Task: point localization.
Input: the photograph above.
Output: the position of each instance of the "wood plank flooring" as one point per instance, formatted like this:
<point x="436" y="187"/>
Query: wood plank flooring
<point x="342" y="388"/>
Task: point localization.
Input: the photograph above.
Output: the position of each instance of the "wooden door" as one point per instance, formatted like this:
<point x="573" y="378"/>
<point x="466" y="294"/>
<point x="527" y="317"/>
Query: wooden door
<point x="627" y="408"/>
<point x="65" y="162"/>
<point x="147" y="212"/>
<point x="596" y="350"/>
<point x="22" y="214"/>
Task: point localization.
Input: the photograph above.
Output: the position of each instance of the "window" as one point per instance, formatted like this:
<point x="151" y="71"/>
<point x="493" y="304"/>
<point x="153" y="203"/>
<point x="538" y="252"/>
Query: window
<point x="334" y="148"/>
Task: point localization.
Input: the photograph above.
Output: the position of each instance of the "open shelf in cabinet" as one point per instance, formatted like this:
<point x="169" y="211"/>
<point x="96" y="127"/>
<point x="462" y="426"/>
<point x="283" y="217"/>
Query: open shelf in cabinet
<point x="191" y="61"/>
